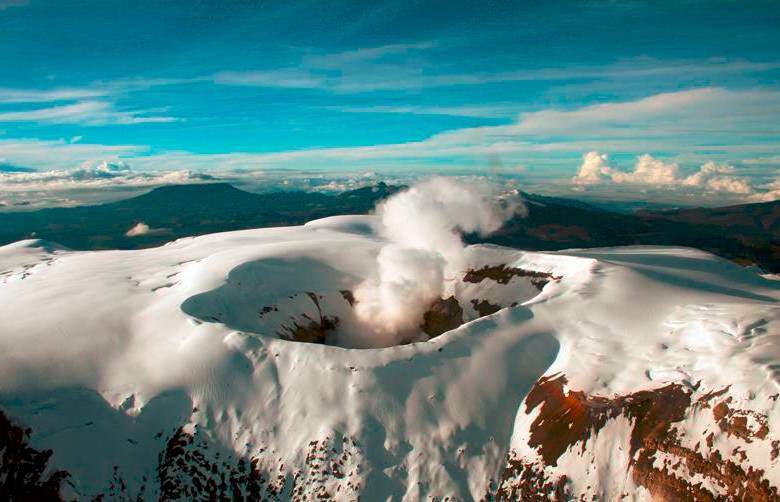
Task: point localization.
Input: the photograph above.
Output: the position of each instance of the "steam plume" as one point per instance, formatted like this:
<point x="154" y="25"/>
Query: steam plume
<point x="423" y="226"/>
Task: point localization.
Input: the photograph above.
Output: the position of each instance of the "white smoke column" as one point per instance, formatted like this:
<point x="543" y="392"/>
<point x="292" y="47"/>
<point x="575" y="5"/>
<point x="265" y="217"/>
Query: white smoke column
<point x="423" y="226"/>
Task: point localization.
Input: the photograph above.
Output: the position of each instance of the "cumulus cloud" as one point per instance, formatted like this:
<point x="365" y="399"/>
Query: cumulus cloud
<point x="706" y="172"/>
<point x="651" y="171"/>
<point x="730" y="185"/>
<point x="772" y="193"/>
<point x="648" y="170"/>
<point x="718" y="178"/>
<point x="423" y="227"/>
<point x="593" y="169"/>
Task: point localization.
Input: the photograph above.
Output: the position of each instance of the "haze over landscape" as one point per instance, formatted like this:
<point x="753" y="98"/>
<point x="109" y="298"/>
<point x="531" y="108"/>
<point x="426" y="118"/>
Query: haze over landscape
<point x="389" y="250"/>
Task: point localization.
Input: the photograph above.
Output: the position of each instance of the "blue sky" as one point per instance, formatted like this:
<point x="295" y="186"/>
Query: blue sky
<point x="365" y="90"/>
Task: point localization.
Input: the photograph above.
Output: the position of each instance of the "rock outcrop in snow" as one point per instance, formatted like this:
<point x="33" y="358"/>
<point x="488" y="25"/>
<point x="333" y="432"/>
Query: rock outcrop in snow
<point x="639" y="372"/>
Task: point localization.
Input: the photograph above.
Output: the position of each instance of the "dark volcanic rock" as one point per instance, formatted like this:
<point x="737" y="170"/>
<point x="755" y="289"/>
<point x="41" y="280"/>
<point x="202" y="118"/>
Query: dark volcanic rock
<point x="503" y="274"/>
<point x="443" y="316"/>
<point x="22" y="467"/>
<point x="348" y="296"/>
<point x="194" y="467"/>
<point x="484" y="307"/>
<point x="310" y="330"/>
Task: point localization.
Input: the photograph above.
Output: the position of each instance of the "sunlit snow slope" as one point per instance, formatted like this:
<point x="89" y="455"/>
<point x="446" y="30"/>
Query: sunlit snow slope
<point x="186" y="370"/>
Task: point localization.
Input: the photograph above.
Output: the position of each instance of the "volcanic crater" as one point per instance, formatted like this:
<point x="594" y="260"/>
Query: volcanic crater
<point x="307" y="301"/>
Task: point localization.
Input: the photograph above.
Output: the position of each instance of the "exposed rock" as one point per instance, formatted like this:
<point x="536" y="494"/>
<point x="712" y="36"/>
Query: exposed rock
<point x="484" y="307"/>
<point x="704" y="401"/>
<point x="192" y="467"/>
<point x="267" y="310"/>
<point x="307" y="329"/>
<point x="525" y="480"/>
<point x="503" y="274"/>
<point x="23" y="468"/>
<point x="444" y="315"/>
<point x="349" y="296"/>
<point x="569" y="418"/>
<point x="735" y="422"/>
<point x="186" y="470"/>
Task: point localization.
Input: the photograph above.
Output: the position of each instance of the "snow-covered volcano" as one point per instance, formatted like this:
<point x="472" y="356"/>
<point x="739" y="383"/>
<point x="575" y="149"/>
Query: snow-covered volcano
<point x="233" y="365"/>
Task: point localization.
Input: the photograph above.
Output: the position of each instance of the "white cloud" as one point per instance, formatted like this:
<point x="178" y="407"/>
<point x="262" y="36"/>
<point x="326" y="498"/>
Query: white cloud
<point x="648" y="171"/>
<point x="361" y="70"/>
<point x="49" y="95"/>
<point x="59" y="154"/>
<point x="707" y="172"/>
<point x="730" y="185"/>
<point x="762" y="161"/>
<point x="686" y="122"/>
<point x="772" y="192"/>
<point x="95" y="90"/>
<point x="719" y="178"/>
<point x="629" y="112"/>
<point x="93" y="175"/>
<point x="90" y="113"/>
<point x="631" y="129"/>
<point x="286" y="78"/>
<point x="695" y="111"/>
<point x="475" y="111"/>
<point x="651" y="171"/>
<point x="91" y="105"/>
<point x="593" y="169"/>
<point x="690" y="123"/>
<point x="368" y="54"/>
<point x="401" y="67"/>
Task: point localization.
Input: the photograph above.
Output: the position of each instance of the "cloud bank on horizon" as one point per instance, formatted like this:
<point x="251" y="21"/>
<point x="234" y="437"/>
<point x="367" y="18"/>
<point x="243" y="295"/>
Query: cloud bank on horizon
<point x="684" y="112"/>
<point x="649" y="171"/>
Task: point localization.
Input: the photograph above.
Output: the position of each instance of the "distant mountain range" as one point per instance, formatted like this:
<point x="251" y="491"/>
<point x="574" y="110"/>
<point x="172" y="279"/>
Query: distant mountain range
<point x="177" y="211"/>
<point x="748" y="234"/>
